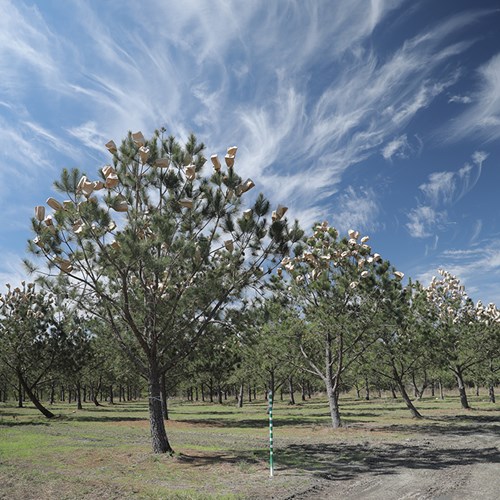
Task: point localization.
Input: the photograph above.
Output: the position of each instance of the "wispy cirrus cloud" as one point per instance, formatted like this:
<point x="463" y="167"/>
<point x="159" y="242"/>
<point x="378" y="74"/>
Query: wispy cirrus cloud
<point x="253" y="74"/>
<point x="482" y="117"/>
<point x="442" y="190"/>
<point x="478" y="268"/>
<point x="424" y="220"/>
<point x="397" y="148"/>
<point x="357" y="209"/>
<point x="448" y="187"/>
<point x="461" y="99"/>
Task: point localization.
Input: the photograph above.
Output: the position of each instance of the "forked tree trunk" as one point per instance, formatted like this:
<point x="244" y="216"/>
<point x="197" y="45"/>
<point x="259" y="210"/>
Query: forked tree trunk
<point x="333" y="403"/>
<point x="159" y="440"/>
<point x="358" y="391"/>
<point x="34" y="399"/>
<point x="441" y="390"/>
<point x="402" y="389"/>
<point x="96" y="392"/>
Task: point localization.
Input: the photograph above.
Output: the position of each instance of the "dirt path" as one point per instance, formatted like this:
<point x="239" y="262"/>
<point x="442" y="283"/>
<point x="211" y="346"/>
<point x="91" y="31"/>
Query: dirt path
<point x="439" y="462"/>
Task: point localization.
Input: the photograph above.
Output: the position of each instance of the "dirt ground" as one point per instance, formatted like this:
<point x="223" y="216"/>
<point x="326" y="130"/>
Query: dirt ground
<point x="439" y="461"/>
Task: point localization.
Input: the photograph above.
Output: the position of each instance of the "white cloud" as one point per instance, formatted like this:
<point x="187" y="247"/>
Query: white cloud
<point x="12" y="270"/>
<point x="357" y="209"/>
<point x="462" y="99"/>
<point x="476" y="230"/>
<point x="424" y="220"/>
<point x="448" y="187"/>
<point x="443" y="189"/>
<point x="398" y="147"/>
<point x="482" y="117"/>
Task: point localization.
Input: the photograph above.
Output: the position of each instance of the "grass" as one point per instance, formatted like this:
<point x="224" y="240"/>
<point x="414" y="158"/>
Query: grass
<point x="221" y="450"/>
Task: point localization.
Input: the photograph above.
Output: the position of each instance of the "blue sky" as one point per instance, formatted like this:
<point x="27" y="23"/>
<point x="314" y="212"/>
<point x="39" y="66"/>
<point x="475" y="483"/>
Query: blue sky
<point x="383" y="116"/>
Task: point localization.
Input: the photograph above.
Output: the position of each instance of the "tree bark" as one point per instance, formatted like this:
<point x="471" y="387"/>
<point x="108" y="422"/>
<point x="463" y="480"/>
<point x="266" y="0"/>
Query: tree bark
<point x="367" y="389"/>
<point x="291" y="390"/>
<point x="34" y="399"/>
<point x="332" y="382"/>
<point x="240" y="396"/>
<point x="333" y="403"/>
<point x="491" y="393"/>
<point x="79" y="396"/>
<point x="402" y="389"/>
<point x="164" y="396"/>
<point x="461" y="388"/>
<point x="159" y="440"/>
<point x="96" y="392"/>
<point x="19" y="393"/>
<point x="441" y="391"/>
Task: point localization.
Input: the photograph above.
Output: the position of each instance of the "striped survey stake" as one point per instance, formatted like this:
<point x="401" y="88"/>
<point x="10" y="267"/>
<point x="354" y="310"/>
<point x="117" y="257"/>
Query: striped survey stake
<point x="270" y="409"/>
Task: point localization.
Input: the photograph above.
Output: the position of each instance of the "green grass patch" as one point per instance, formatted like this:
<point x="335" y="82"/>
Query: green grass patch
<point x="221" y="450"/>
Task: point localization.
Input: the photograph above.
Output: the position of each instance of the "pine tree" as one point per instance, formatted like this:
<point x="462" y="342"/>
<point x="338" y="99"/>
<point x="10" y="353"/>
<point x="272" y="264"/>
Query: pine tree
<point x="157" y="250"/>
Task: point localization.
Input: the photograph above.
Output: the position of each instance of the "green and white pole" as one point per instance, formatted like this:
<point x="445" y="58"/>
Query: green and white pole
<point x="271" y="434"/>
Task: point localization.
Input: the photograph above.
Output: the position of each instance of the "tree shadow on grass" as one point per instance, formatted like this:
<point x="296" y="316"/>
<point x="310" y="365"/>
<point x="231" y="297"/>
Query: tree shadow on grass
<point x="18" y="423"/>
<point x="347" y="461"/>
<point x="254" y="423"/>
<point x="105" y="418"/>
<point x="461" y="425"/>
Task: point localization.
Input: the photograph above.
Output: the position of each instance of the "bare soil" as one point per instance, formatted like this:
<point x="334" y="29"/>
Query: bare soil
<point x="454" y="459"/>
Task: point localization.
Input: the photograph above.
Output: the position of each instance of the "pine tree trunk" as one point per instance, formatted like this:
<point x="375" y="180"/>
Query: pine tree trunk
<point x="367" y="389"/>
<point x="393" y="392"/>
<point x="333" y="403"/>
<point x="159" y="438"/>
<point x="96" y="392"/>
<point x="240" y="396"/>
<point x="291" y="390"/>
<point x="164" y="396"/>
<point x="491" y="393"/>
<point x="111" y="395"/>
<point x="441" y="391"/>
<point x="78" y="396"/>
<point x="402" y="389"/>
<point x="19" y="393"/>
<point x="461" y="388"/>
<point x="34" y="399"/>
